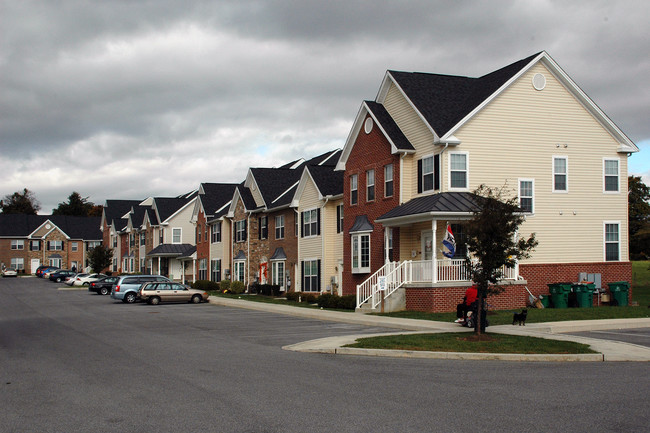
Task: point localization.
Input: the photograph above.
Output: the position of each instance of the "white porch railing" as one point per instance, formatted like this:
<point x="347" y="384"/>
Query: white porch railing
<point x="399" y="273"/>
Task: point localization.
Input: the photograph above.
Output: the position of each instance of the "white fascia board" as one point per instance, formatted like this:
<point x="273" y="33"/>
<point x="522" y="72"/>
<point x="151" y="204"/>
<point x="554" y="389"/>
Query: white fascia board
<point x="428" y="216"/>
<point x="289" y="189"/>
<point x="306" y="177"/>
<point x="352" y="137"/>
<point x="233" y="203"/>
<point x="297" y="163"/>
<point x="393" y="147"/>
<point x="198" y="206"/>
<point x="223" y="207"/>
<point x="146" y="202"/>
<point x="330" y="155"/>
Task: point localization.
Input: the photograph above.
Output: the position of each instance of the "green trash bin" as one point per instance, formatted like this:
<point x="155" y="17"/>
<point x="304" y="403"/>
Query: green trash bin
<point x="560" y="294"/>
<point x="620" y="291"/>
<point x="584" y="294"/>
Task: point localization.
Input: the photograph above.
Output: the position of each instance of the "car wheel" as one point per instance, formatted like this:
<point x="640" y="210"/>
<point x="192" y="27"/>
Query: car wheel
<point x="129" y="298"/>
<point x="196" y="299"/>
<point x="154" y="300"/>
<point x="85" y="284"/>
<point x="103" y="291"/>
<point x="58" y="280"/>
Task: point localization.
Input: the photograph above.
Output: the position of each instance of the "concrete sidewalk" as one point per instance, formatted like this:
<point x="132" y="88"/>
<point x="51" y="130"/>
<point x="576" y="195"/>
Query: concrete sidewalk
<point x="608" y="350"/>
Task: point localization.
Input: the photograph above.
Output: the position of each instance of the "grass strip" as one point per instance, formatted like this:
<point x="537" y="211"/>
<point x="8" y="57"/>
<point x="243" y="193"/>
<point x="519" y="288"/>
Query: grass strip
<point x="471" y="343"/>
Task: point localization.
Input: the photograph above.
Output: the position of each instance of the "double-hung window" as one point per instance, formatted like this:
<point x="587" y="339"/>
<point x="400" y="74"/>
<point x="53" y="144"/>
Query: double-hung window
<point x="526" y="195"/>
<point x="55" y="246"/>
<point x="612" y="242"/>
<point x="458" y="172"/>
<point x="35" y="245"/>
<point x="370" y="185"/>
<point x="216" y="270"/>
<point x="74" y="246"/>
<point x="610" y="175"/>
<point x="203" y="269"/>
<point x="277" y="273"/>
<point x="177" y="235"/>
<point x="360" y="253"/>
<point x="240" y="231"/>
<point x="216" y="232"/>
<point x="279" y="227"/>
<point x="354" y="189"/>
<point x="310" y="223"/>
<point x="143" y="239"/>
<point x="18" y="263"/>
<point x="310" y="280"/>
<point x="427" y="174"/>
<point x="388" y="180"/>
<point x="263" y="227"/>
<point x="560" y="174"/>
<point x="17" y="244"/>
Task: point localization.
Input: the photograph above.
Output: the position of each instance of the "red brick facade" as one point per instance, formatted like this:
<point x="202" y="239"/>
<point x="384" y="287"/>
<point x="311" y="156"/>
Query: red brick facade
<point x="370" y="151"/>
<point x="289" y="243"/>
<point x="202" y="237"/>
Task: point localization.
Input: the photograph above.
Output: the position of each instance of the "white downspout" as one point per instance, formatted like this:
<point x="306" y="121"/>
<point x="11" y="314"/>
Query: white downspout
<point x="434" y="242"/>
<point x="322" y="241"/>
<point x="401" y="178"/>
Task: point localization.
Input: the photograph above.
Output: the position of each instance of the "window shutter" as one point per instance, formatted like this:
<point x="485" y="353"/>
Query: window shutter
<point x="318" y="277"/>
<point x="259" y="228"/>
<point x="245" y="231"/>
<point x="436" y="175"/>
<point x="302" y="225"/>
<point x="302" y="274"/>
<point x="318" y="221"/>
<point x="419" y="176"/>
<point x="338" y="219"/>
<point x="48" y="245"/>
<point x="62" y="246"/>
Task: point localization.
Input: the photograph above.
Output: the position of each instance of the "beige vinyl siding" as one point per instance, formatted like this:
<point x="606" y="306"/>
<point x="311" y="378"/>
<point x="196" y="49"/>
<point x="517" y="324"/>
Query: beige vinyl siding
<point x="221" y="250"/>
<point x="411" y="240"/>
<point x="333" y="243"/>
<point x="311" y="247"/>
<point x="415" y="130"/>
<point x="257" y="196"/>
<point x="517" y="135"/>
<point x="408" y="174"/>
<point x="182" y="220"/>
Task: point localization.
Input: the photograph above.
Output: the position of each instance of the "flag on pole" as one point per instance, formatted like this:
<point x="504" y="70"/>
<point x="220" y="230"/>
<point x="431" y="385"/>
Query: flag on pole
<point x="448" y="243"/>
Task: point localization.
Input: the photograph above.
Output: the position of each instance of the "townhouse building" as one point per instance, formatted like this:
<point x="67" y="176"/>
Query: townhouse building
<point x="416" y="153"/>
<point x="29" y="241"/>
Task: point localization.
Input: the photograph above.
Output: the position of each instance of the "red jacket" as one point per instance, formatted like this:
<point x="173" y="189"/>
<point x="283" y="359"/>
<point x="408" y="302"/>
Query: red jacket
<point x="470" y="295"/>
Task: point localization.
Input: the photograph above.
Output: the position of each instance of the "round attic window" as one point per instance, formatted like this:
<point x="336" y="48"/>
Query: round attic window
<point x="368" y="125"/>
<point x="539" y="81"/>
<point x="47" y="226"/>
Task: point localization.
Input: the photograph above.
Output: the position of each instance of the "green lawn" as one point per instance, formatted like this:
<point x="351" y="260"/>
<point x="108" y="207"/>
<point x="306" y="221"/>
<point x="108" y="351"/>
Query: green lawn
<point x="464" y="342"/>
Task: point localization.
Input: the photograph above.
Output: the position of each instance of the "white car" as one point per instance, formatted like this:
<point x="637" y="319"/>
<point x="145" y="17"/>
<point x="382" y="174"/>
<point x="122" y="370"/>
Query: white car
<point x="87" y="279"/>
<point x="71" y="280"/>
<point x="9" y="272"/>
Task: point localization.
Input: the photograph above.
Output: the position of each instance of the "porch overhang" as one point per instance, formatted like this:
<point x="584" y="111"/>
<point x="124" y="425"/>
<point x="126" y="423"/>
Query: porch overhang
<point x="172" y="250"/>
<point x="445" y="205"/>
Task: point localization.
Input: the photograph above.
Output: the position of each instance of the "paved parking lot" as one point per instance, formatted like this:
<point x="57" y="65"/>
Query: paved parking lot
<point x="74" y="361"/>
<point x="639" y="336"/>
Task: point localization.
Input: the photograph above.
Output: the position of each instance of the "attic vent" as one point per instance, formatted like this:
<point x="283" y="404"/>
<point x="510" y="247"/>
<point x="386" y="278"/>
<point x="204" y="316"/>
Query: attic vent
<point x="539" y="81"/>
<point x="368" y="125"/>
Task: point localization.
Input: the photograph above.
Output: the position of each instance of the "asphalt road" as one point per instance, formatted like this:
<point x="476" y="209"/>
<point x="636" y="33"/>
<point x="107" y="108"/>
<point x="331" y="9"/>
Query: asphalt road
<point x="639" y="336"/>
<point x="71" y="361"/>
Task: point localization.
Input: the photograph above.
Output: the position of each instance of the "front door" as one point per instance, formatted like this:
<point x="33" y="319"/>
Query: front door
<point x="34" y="265"/>
<point x="427" y="245"/>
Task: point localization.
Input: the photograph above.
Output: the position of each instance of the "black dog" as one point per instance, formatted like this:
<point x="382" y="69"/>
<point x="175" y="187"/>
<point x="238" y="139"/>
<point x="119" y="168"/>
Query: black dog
<point x="520" y="317"/>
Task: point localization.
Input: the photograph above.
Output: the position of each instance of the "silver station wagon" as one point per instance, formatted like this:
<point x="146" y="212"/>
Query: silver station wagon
<point x="155" y="293"/>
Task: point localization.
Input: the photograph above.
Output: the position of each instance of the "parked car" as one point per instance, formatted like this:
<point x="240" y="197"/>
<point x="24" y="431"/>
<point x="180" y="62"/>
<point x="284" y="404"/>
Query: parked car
<point x="155" y="293"/>
<point x="41" y="271"/>
<point x="9" y="272"/>
<point x="49" y="271"/>
<point x="61" y="275"/>
<point x="87" y="279"/>
<point x="127" y="287"/>
<point x="72" y="279"/>
<point x="103" y="286"/>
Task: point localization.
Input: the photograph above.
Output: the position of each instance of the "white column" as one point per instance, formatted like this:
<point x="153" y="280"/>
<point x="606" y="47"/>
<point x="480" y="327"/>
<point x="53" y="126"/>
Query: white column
<point x="194" y="270"/>
<point x="434" y="244"/>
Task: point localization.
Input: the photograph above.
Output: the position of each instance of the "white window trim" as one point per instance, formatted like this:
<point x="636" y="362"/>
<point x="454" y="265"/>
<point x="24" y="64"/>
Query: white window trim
<point x="20" y="244"/>
<point x="532" y="213"/>
<point x="356" y="188"/>
<point x="449" y="170"/>
<point x="605" y="223"/>
<point x="368" y="185"/>
<point x="180" y="237"/>
<point x="433" y="174"/>
<point x="302" y="228"/>
<point x="276" y="226"/>
<point x="618" y="175"/>
<point x="566" y="158"/>
<point x="391" y="180"/>
<point x="74" y="247"/>
<point x="235" y="274"/>
<point x="359" y="269"/>
<point x="302" y="277"/>
<point x="274" y="265"/>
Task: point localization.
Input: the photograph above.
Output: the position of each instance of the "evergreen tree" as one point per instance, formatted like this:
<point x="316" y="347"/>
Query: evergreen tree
<point x="76" y="206"/>
<point x="100" y="258"/>
<point x="24" y="203"/>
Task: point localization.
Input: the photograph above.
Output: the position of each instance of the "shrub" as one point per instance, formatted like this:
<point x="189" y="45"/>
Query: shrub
<point x="348" y="302"/>
<point x="237" y="287"/>
<point x="224" y="285"/>
<point x="293" y="296"/>
<point x="205" y="285"/>
<point x="309" y="298"/>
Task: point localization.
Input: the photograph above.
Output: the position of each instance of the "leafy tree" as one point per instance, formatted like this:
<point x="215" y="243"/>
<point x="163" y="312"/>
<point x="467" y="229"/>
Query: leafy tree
<point x="76" y="206"/>
<point x="100" y="258"/>
<point x="492" y="242"/>
<point x="639" y="217"/>
<point x="24" y="203"/>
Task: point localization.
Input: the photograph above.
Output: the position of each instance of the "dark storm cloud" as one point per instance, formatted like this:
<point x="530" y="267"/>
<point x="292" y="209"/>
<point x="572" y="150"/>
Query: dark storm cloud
<point x="150" y="86"/>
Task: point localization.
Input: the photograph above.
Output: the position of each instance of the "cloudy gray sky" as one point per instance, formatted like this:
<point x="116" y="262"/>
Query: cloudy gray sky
<point x="129" y="99"/>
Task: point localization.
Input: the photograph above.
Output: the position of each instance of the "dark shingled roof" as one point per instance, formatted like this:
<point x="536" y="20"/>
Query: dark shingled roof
<point x="20" y="225"/>
<point x="445" y="202"/>
<point x="215" y="196"/>
<point x="247" y="197"/>
<point x="173" y="250"/>
<point x="167" y="206"/>
<point x="273" y="182"/>
<point x="279" y="254"/>
<point x="116" y="209"/>
<point x="444" y="100"/>
<point x="329" y="182"/>
<point x="389" y="125"/>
